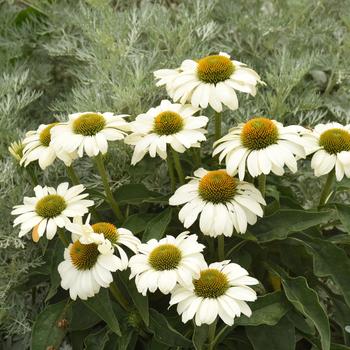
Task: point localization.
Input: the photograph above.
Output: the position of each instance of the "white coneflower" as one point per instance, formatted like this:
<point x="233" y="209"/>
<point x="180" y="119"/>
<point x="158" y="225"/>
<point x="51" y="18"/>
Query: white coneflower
<point x="261" y="146"/>
<point x="221" y="290"/>
<point x="162" y="264"/>
<point x="169" y="123"/>
<point x="89" y="132"/>
<point x="16" y="150"/>
<point x="223" y="203"/>
<point x="50" y="209"/>
<point x="211" y="80"/>
<point x="87" y="233"/>
<point x="330" y="144"/>
<point x="88" y="267"/>
<point x="38" y="147"/>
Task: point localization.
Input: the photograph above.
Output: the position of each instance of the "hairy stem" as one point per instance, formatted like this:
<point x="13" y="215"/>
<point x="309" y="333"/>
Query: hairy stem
<point x="327" y="188"/>
<point x="221" y="247"/>
<point x="217" y="126"/>
<point x="171" y="171"/>
<point x="178" y="167"/>
<point x="118" y="296"/>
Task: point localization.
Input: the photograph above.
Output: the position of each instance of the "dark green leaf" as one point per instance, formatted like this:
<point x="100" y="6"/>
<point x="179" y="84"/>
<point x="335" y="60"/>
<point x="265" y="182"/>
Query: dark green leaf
<point x="135" y="194"/>
<point x="82" y="317"/>
<point x="57" y="257"/>
<point x="339" y="347"/>
<point x="157" y="226"/>
<point x="165" y="333"/>
<point x="140" y="301"/>
<point x="97" y="341"/>
<point x="200" y="336"/>
<point x="344" y="215"/>
<point x="306" y="301"/>
<point x="278" y="337"/>
<point x="286" y="221"/>
<point x="136" y="223"/>
<point x="46" y="331"/>
<point x="125" y="342"/>
<point x="267" y="310"/>
<point x="329" y="261"/>
<point x="101" y="305"/>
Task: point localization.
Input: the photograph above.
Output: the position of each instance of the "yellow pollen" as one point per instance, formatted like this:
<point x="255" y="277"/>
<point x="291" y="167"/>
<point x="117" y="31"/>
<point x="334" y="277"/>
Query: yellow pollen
<point x="84" y="256"/>
<point x="211" y="284"/>
<point x="168" y="123"/>
<point x="45" y="135"/>
<point x="50" y="206"/>
<point x="335" y="140"/>
<point x="214" y="69"/>
<point x="165" y="257"/>
<point x="108" y="230"/>
<point x="259" y="133"/>
<point x="217" y="187"/>
<point x="89" y="124"/>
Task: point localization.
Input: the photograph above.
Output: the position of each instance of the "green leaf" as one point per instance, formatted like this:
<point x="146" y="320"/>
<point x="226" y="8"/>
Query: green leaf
<point x="200" y="336"/>
<point x="157" y="226"/>
<point x="306" y="301"/>
<point x="101" y="305"/>
<point x="82" y="317"/>
<point x="55" y="278"/>
<point x="344" y="215"/>
<point x="45" y="331"/>
<point x="97" y="341"/>
<point x="329" y="261"/>
<point x="286" y="221"/>
<point x="136" y="223"/>
<point x="278" y="337"/>
<point x="335" y="346"/>
<point x="165" y="333"/>
<point x="341" y="316"/>
<point x="135" y="194"/>
<point x="140" y="301"/>
<point x="267" y="310"/>
<point x="127" y="341"/>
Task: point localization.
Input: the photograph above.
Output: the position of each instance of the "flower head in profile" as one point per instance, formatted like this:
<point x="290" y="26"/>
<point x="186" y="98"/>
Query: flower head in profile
<point x="222" y="202"/>
<point x="220" y="290"/>
<point x="88" y="266"/>
<point x="261" y="146"/>
<point x="211" y="80"/>
<point x="89" y="132"/>
<point x="105" y="232"/>
<point x="16" y="150"/>
<point x="162" y="264"/>
<point x="330" y="144"/>
<point x="38" y="147"/>
<point x="168" y="124"/>
<point x="49" y="209"/>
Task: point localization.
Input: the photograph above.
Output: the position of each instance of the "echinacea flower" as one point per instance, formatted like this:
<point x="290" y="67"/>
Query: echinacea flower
<point x="220" y="290"/>
<point x="162" y="264"/>
<point x="118" y="237"/>
<point x="88" y="267"/>
<point x="89" y="132"/>
<point x="16" y="150"/>
<point x="211" y="80"/>
<point x="38" y="147"/>
<point x="261" y="146"/>
<point x="330" y="144"/>
<point x="169" y="123"/>
<point x="50" y="209"/>
<point x="223" y="203"/>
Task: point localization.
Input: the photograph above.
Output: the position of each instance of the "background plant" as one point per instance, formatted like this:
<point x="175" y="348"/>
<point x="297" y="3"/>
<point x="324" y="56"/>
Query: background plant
<point x="62" y="56"/>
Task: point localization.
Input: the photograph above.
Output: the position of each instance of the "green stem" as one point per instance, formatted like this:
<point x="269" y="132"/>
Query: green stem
<point x="211" y="335"/>
<point x="178" y="167"/>
<point x="72" y="175"/>
<point x="104" y="176"/>
<point x="171" y="172"/>
<point x="63" y="238"/>
<point x="119" y="297"/>
<point x="32" y="176"/>
<point x="196" y="157"/>
<point x="327" y="188"/>
<point x="262" y="184"/>
<point x="221" y="247"/>
<point x="217" y="126"/>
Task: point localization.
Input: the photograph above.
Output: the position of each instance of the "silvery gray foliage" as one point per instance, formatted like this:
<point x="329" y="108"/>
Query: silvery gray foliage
<point x="58" y="57"/>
